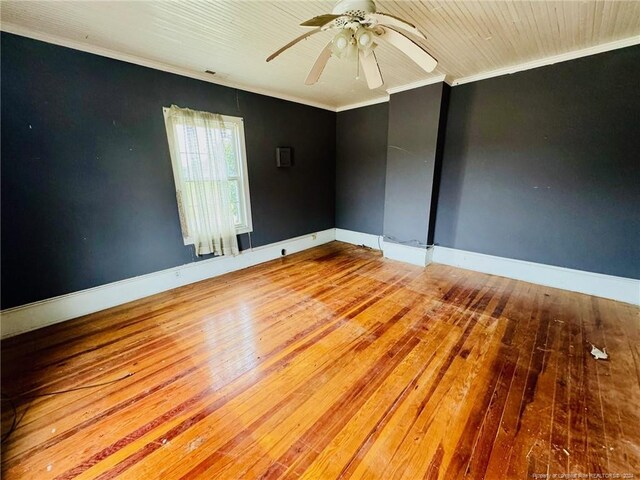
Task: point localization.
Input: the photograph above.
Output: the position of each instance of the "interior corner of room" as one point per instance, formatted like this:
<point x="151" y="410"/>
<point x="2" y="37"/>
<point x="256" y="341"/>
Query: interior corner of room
<point x="430" y="195"/>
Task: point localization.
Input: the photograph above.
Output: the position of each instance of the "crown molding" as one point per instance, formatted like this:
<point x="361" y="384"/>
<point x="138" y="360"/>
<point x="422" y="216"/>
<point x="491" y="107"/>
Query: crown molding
<point x="421" y="83"/>
<point x="85" y="47"/>
<point x="563" y="57"/>
<point x="124" y="57"/>
<point x="585" y="52"/>
<point x="366" y="103"/>
<point x="392" y="90"/>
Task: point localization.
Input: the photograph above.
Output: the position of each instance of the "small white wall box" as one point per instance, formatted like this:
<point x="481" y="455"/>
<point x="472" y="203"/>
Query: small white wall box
<point x="283" y="157"/>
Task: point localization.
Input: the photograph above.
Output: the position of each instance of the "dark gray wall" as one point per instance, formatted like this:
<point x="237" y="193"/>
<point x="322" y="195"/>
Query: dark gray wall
<point x="361" y="163"/>
<point x="414" y="118"/>
<point x="544" y="166"/>
<point x="87" y="188"/>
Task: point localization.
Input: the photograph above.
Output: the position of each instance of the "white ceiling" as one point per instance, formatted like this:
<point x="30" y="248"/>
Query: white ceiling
<point x="233" y="38"/>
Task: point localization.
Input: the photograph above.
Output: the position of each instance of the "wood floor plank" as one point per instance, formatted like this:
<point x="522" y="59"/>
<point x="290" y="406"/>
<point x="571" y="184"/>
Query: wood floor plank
<point x="330" y="363"/>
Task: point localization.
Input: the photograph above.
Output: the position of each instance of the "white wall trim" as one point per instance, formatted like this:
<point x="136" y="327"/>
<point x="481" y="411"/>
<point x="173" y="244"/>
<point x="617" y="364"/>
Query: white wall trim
<point x="390" y="250"/>
<point x="520" y="67"/>
<point x="392" y="90"/>
<point x="607" y="286"/>
<point x="86" y="47"/>
<point x="418" y="84"/>
<point x="65" y="307"/>
<point x="366" y="103"/>
<point x="605" y="47"/>
<point x="125" y="57"/>
<point x="359" y="238"/>
<point x="405" y="253"/>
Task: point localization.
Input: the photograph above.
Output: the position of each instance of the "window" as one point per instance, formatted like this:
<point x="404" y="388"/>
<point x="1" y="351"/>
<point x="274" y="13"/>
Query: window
<point x="210" y="168"/>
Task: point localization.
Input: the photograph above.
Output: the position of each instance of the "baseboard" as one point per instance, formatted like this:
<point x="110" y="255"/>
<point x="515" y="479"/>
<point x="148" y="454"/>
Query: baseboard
<point x="359" y="238"/>
<point x="393" y="251"/>
<point x="65" y="307"/>
<point x="617" y="288"/>
<point x="405" y="253"/>
<point x="607" y="286"/>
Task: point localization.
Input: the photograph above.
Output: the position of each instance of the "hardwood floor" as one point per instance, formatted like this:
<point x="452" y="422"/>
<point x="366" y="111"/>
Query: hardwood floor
<point x="331" y="363"/>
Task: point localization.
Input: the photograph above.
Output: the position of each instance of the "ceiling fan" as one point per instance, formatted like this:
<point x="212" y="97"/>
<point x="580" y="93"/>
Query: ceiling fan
<point x="360" y="27"/>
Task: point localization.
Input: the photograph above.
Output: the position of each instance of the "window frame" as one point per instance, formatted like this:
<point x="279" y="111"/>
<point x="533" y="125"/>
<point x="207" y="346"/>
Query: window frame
<point x="243" y="173"/>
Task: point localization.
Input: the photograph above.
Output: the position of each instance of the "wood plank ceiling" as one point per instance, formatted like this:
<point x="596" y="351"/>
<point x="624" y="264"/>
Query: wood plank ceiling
<point x="233" y="38"/>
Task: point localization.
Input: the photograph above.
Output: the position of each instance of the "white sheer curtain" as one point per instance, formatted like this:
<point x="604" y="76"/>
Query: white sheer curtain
<point x="197" y="146"/>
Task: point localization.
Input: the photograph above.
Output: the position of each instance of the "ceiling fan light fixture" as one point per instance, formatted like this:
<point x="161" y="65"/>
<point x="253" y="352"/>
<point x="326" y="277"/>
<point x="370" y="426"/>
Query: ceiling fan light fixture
<point x="343" y="44"/>
<point x="364" y="37"/>
<point x="361" y="28"/>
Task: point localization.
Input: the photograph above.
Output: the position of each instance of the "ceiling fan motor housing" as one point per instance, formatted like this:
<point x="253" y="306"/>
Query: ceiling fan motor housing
<point x="355" y="8"/>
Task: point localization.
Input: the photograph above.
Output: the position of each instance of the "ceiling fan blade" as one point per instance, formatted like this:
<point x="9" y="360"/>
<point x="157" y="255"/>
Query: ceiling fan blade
<point x="414" y="51"/>
<point x="371" y="69"/>
<point x="293" y="42"/>
<point x="318" y="66"/>
<point x="320" y="20"/>
<point x="391" y="21"/>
